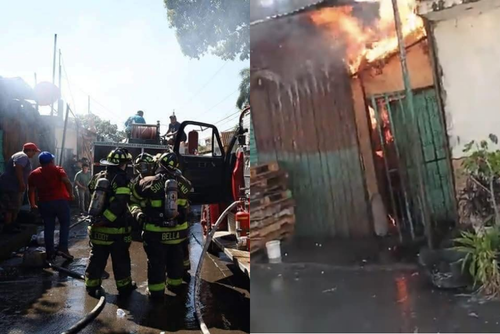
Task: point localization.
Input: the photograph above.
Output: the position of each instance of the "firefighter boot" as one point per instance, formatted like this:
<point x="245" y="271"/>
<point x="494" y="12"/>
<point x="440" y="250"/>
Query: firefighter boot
<point x="156" y="296"/>
<point x="127" y="290"/>
<point x="96" y="292"/>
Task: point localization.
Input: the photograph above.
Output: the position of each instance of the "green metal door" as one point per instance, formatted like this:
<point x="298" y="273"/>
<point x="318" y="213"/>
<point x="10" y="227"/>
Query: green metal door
<point x="437" y="176"/>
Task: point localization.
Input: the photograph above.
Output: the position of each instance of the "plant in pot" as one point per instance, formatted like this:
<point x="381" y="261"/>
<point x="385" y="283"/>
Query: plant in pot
<point x="478" y="205"/>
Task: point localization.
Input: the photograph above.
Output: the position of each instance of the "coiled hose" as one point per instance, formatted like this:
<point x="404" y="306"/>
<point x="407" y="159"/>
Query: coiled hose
<point x="197" y="277"/>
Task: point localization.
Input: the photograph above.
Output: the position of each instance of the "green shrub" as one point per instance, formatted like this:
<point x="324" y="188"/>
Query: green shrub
<point x="481" y="251"/>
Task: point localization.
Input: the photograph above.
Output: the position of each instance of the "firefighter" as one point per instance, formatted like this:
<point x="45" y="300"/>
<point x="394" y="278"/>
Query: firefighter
<point x="144" y="166"/>
<point x="159" y="206"/>
<point x="110" y="231"/>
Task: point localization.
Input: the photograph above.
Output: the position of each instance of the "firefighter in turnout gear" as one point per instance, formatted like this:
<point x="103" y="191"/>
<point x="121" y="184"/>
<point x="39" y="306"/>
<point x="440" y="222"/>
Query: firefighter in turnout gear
<point x="144" y="166"/>
<point x="109" y="230"/>
<point x="159" y="206"/>
<point x="184" y="188"/>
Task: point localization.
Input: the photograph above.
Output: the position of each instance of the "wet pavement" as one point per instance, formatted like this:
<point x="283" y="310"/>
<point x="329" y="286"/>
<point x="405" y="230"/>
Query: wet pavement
<point x="313" y="297"/>
<point x="42" y="301"/>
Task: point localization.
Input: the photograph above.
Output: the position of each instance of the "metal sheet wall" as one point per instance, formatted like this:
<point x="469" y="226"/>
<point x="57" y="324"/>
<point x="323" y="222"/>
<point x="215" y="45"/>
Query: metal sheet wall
<point x="308" y="126"/>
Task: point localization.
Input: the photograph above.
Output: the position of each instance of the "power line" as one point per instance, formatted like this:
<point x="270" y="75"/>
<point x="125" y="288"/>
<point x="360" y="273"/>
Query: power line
<point x="68" y="84"/>
<point x="204" y="85"/>
<point x="217" y="104"/>
<point x="232" y="115"/>
<point x="83" y="91"/>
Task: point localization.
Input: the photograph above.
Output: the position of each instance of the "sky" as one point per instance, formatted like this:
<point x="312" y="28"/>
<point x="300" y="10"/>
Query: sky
<point x="123" y="54"/>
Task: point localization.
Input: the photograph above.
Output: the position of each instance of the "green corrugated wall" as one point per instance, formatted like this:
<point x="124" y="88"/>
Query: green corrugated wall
<point x="253" y="146"/>
<point x="308" y="126"/>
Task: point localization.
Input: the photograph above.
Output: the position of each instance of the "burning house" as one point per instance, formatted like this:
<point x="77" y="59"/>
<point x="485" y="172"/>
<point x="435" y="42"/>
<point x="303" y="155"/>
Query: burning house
<point x="329" y="103"/>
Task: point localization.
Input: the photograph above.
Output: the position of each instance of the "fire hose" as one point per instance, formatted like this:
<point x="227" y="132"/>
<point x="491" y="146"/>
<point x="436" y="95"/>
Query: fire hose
<point x="197" y="277"/>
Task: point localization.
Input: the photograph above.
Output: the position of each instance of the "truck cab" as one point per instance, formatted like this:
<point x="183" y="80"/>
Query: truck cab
<point x="212" y="171"/>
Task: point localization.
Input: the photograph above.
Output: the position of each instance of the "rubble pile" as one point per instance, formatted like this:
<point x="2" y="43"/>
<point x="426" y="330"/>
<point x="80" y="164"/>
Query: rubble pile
<point x="272" y="214"/>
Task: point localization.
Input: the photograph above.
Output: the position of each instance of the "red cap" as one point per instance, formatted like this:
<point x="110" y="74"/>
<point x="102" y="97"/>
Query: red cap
<point x="31" y="146"/>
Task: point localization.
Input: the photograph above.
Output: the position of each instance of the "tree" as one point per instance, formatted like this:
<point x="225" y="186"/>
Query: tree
<point x="103" y="128"/>
<point x="244" y="97"/>
<point x="220" y="27"/>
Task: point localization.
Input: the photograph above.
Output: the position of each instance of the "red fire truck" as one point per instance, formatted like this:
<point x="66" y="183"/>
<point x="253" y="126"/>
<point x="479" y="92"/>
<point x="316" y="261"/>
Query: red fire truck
<point x="220" y="178"/>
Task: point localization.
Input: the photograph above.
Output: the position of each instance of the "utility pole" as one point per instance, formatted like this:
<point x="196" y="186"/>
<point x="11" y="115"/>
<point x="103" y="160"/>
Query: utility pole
<point x="413" y="128"/>
<point x="64" y="135"/>
<point x="54" y="72"/>
<point x="59" y="104"/>
<point x="36" y="83"/>
<point x="89" y="104"/>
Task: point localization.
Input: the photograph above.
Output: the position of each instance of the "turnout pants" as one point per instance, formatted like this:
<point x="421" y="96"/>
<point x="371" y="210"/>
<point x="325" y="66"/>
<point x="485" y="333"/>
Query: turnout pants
<point x="104" y="244"/>
<point x="165" y="252"/>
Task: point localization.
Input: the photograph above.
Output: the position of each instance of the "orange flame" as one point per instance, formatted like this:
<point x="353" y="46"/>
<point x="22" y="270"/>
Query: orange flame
<point x="369" y="43"/>
<point x="385" y="122"/>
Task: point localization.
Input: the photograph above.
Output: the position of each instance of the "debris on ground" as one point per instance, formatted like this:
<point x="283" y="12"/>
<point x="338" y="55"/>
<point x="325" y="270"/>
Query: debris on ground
<point x="473" y="315"/>
<point x="330" y="290"/>
<point x="120" y="313"/>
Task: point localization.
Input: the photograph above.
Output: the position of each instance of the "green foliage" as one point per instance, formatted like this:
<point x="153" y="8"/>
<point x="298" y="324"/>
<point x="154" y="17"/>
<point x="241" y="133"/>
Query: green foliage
<point x="481" y="251"/>
<point x="482" y="162"/>
<point x="480" y="196"/>
<point x="104" y="128"/>
<point x="220" y="27"/>
<point x="244" y="97"/>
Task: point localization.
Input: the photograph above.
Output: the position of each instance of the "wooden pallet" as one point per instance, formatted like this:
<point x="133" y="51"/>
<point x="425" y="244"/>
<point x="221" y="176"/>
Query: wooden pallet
<point x="271" y="198"/>
<point x="259" y="192"/>
<point x="262" y="169"/>
<point x="259" y="243"/>
<point x="269" y="179"/>
<point x="264" y="211"/>
<point x="277" y="225"/>
<point x="256" y="224"/>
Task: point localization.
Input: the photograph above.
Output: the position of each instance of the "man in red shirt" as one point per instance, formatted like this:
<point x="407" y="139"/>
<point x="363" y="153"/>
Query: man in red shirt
<point x="54" y="193"/>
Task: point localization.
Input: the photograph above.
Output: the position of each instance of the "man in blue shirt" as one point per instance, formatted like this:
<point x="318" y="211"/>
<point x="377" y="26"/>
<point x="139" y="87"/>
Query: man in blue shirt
<point x="137" y="118"/>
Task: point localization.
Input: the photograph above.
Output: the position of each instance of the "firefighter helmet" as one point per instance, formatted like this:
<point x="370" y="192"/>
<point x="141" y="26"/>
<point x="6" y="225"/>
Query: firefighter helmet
<point x="117" y="157"/>
<point x="168" y="161"/>
<point x="144" y="157"/>
<point x="144" y="163"/>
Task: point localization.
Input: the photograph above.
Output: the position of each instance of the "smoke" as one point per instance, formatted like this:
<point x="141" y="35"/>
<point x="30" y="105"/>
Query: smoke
<point x="288" y="48"/>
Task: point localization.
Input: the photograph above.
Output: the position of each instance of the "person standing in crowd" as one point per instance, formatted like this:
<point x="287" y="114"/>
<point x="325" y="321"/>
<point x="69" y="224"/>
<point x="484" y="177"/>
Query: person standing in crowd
<point x="13" y="185"/>
<point x="82" y="180"/>
<point x="54" y="193"/>
<point x="71" y="168"/>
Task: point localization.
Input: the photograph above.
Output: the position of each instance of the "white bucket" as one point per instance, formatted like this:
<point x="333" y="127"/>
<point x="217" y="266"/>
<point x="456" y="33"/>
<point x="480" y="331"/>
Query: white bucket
<point x="273" y="251"/>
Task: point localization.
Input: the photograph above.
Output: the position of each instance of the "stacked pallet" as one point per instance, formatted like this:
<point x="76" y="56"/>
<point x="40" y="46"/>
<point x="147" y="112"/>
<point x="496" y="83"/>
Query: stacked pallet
<point x="272" y="214"/>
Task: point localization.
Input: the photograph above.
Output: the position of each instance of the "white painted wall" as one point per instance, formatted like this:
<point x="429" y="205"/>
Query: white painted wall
<point x="468" y="51"/>
<point x="70" y="142"/>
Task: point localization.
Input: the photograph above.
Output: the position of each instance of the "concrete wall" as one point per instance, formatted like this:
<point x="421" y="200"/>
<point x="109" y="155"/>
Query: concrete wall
<point x="468" y="53"/>
<point x="70" y="142"/>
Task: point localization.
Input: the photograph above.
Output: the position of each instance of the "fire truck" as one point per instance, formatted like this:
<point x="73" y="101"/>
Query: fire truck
<point x="219" y="179"/>
<point x="216" y="171"/>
